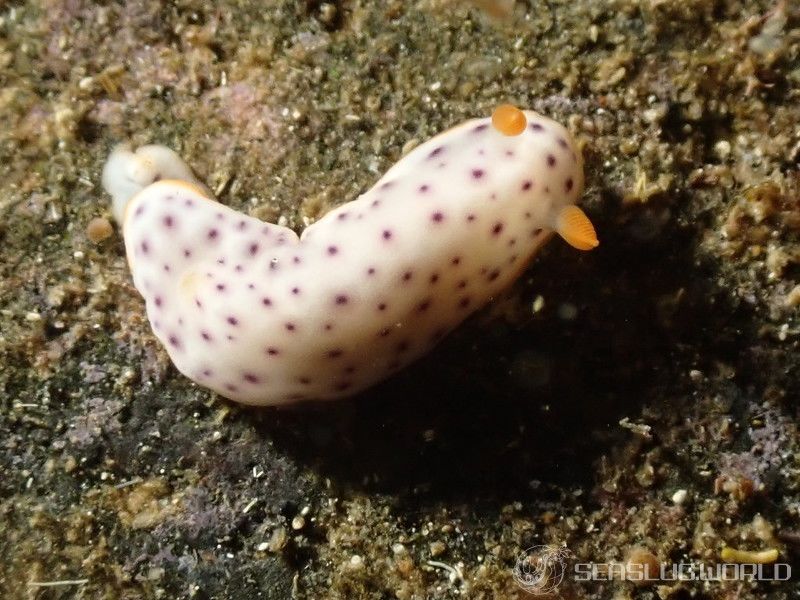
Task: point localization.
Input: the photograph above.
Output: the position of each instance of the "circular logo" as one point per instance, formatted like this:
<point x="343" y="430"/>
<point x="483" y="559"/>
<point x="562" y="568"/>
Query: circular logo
<point x="540" y="569"/>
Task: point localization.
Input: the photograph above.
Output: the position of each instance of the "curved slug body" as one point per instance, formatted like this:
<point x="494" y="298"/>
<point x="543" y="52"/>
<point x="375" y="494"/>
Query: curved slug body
<point x="261" y="316"/>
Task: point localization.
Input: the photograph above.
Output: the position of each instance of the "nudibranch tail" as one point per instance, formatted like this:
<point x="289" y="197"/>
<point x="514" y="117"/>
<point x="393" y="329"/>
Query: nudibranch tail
<point x="128" y="172"/>
<point x="574" y="226"/>
<point x="253" y="312"/>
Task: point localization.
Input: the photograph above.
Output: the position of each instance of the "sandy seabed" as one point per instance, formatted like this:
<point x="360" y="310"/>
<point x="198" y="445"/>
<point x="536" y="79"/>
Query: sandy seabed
<point x="638" y="403"/>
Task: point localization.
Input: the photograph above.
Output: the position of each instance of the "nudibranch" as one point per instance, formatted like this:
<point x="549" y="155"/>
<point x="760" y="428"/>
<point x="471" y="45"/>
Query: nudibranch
<point x="262" y="316"/>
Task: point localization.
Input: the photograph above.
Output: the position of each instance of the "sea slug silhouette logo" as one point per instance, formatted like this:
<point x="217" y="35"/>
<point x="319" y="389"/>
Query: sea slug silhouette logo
<point x="540" y="569"/>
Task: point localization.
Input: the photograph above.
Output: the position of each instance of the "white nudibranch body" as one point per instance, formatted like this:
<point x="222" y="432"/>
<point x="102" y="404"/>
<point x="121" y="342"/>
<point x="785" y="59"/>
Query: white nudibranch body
<point x="253" y="312"/>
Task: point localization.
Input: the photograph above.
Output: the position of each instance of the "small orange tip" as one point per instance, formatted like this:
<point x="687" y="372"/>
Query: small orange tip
<point x="575" y="227"/>
<point x="509" y="120"/>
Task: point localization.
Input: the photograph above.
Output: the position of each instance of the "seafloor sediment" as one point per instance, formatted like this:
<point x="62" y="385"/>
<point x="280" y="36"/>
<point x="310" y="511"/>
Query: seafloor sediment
<point x="640" y="399"/>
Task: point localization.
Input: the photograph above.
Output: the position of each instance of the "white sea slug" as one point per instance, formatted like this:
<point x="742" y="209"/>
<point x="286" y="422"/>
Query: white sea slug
<point x="253" y="312"/>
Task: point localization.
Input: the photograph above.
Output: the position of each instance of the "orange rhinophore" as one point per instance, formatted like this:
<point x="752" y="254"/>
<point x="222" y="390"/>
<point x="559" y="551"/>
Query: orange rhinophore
<point x="575" y="227"/>
<point x="509" y="120"/>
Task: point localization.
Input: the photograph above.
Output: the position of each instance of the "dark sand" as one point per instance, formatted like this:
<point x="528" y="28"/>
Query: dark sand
<point x="650" y="401"/>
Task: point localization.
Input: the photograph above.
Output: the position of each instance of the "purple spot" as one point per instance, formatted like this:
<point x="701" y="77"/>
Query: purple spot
<point x="375" y="203"/>
<point x="233" y="320"/>
<point x="290" y="326"/>
<point x="205" y="335"/>
<point x="407" y="276"/>
<point x="569" y="184"/>
<point x="253" y="249"/>
<point x="273" y="264"/>
<point x="230" y="387"/>
<point x="424" y="305"/>
<point x="342" y="216"/>
<point x="296" y="291"/>
<point x="509" y="153"/>
<point x="497" y="229"/>
<point x="174" y="341"/>
<point x="242" y="225"/>
<point x="221" y="287"/>
<point x="169" y="221"/>
<point x="512" y="242"/>
<point x="251" y="286"/>
<point x="212" y="234"/>
<point x="477" y="173"/>
<point x="536" y="127"/>
<point x="266" y="302"/>
<point x="272" y="351"/>
<point x="480" y="128"/>
<point x="296" y="260"/>
<point x="387" y="185"/>
<point x="462" y="284"/>
<point x="527" y="185"/>
<point x="328" y="326"/>
<point x="341" y="299"/>
<point x="198" y="303"/>
<point x="207" y="372"/>
<point x="494" y="275"/>
<point x="371" y="271"/>
<point x="434" y="278"/>
<point x="188" y="202"/>
<point x="470" y="217"/>
<point x="387" y="234"/>
<point x="187" y="253"/>
<point x="250" y="378"/>
<point x="456" y="261"/>
<point x="238" y="268"/>
<point x="563" y="143"/>
<point x="220" y="216"/>
<point x="139" y="211"/>
<point x="424" y="188"/>
<point x="158" y="301"/>
<point x="464" y="302"/>
<point x="145" y="247"/>
<point x="551" y="160"/>
<point x="335" y="353"/>
<point x="382" y="306"/>
<point x="436" y="152"/>
<point x="332" y="250"/>
<point x="437" y="217"/>
<point x="229" y="337"/>
<point x="220" y="261"/>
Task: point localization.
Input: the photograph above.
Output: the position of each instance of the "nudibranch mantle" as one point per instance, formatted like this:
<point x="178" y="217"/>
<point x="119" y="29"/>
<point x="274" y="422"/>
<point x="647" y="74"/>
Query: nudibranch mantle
<point x="262" y="316"/>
